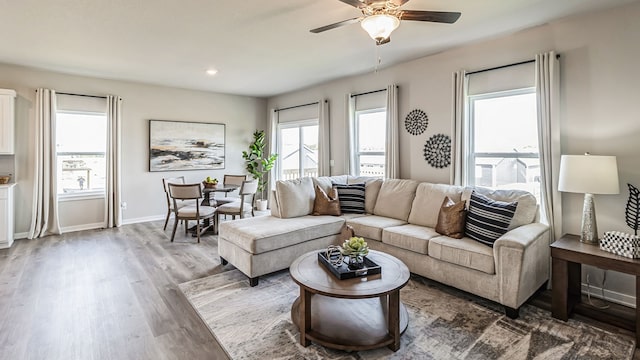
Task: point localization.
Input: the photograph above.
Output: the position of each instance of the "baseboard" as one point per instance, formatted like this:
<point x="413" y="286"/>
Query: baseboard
<point x="612" y="296"/>
<point x="143" y="219"/>
<point x="68" y="229"/>
<point x="22" y="235"/>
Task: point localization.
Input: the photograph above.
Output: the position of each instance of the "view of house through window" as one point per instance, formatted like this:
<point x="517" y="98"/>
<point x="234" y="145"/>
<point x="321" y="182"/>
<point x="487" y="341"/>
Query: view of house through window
<point x="81" y="143"/>
<point x="370" y="142"/>
<point x="504" y="141"/>
<point x="297" y="149"/>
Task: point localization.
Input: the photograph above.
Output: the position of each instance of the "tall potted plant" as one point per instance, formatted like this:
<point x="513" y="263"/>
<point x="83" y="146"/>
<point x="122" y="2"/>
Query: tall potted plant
<point x="259" y="164"/>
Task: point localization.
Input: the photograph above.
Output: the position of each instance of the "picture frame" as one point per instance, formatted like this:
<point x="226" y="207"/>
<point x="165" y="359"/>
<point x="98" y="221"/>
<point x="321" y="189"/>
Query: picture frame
<point x="183" y="145"/>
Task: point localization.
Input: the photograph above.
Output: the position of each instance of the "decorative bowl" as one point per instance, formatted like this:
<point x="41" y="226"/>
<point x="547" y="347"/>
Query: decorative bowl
<point x="4" y="179"/>
<point x="209" y="185"/>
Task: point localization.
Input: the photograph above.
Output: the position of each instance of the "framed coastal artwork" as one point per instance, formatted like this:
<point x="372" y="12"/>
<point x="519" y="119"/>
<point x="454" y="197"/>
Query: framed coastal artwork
<point x="181" y="145"/>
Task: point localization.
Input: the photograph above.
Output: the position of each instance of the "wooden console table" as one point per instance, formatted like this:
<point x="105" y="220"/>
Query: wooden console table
<point x="568" y="254"/>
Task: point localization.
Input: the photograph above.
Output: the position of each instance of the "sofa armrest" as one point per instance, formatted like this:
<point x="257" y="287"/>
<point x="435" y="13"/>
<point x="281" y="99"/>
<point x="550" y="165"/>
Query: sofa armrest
<point x="522" y="262"/>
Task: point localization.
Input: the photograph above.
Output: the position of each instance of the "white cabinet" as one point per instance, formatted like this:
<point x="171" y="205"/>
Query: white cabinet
<point x="6" y="215"/>
<point x="7" y="121"/>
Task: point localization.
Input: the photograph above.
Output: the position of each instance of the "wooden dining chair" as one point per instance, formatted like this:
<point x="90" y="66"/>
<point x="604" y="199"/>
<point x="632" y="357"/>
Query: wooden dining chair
<point x="165" y="186"/>
<point x="231" y="180"/>
<point x="197" y="212"/>
<point x="242" y="205"/>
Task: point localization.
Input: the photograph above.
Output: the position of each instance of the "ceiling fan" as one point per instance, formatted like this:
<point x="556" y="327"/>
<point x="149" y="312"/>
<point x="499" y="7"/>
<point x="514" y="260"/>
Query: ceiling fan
<point x="380" y="17"/>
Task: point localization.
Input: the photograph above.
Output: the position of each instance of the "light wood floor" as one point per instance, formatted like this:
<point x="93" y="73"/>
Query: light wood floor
<point x="105" y="294"/>
<point x="111" y="294"/>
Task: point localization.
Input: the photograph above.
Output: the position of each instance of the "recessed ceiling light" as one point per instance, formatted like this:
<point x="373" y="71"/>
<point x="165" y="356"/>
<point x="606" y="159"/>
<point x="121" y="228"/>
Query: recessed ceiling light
<point x="212" y="72"/>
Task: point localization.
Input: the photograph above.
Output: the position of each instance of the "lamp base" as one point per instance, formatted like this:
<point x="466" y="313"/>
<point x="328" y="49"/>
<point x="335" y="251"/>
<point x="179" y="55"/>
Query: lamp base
<point x="589" y="227"/>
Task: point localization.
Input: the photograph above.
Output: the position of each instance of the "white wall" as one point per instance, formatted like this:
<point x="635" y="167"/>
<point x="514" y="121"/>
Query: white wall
<point x="599" y="94"/>
<point x="141" y="189"/>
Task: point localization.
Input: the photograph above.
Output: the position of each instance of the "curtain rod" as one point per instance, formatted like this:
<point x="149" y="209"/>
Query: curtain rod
<point x="91" y="96"/>
<point x="297" y="106"/>
<point x="370" y="92"/>
<point x="505" y="66"/>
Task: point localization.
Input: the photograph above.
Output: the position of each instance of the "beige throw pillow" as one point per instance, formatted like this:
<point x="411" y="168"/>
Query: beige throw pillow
<point x="451" y="219"/>
<point x="326" y="204"/>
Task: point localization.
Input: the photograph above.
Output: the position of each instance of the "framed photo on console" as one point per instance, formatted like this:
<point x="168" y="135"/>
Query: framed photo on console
<point x="182" y="145"/>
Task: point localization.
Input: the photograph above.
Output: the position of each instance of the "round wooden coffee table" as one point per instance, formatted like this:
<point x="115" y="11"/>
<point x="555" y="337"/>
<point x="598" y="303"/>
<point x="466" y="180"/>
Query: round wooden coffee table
<point x="353" y="314"/>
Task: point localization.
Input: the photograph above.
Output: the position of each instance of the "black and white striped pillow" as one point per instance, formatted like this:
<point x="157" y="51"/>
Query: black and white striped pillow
<point x="351" y="198"/>
<point x="488" y="219"/>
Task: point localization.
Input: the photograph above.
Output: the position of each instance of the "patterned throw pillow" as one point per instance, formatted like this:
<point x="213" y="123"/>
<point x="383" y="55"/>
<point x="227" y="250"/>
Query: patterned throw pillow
<point x="451" y="219"/>
<point x="326" y="204"/>
<point x="351" y="198"/>
<point x="488" y="219"/>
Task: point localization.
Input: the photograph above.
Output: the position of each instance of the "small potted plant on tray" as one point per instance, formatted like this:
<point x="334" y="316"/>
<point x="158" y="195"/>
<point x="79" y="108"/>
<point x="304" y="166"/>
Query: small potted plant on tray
<point x="355" y="248"/>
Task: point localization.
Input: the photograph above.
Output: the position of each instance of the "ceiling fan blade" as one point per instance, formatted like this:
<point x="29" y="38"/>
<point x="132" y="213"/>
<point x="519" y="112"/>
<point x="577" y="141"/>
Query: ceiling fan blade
<point x="355" y="3"/>
<point x="432" y="16"/>
<point x="333" y="26"/>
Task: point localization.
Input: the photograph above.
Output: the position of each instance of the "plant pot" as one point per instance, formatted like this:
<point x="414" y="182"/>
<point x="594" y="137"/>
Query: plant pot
<point x="261" y="205"/>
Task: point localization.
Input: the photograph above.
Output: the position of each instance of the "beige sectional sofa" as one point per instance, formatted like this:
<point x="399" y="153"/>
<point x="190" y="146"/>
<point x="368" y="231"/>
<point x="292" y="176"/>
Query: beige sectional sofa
<point x="400" y="219"/>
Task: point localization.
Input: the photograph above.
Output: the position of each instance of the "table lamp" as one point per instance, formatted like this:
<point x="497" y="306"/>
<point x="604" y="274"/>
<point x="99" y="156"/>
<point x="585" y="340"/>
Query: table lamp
<point x="589" y="175"/>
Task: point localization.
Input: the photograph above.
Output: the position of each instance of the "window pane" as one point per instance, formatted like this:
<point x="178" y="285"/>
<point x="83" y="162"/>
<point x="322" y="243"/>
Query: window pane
<point x="372" y="131"/>
<point x="371" y="142"/>
<point x="372" y="165"/>
<point x="310" y="146"/>
<point x="289" y="153"/>
<point x="503" y="125"/>
<point x="506" y="124"/>
<point x="81" y="142"/>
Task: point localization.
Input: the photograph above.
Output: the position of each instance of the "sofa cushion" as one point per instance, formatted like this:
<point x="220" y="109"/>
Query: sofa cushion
<point x="371" y="226"/>
<point x="464" y="252"/>
<point x="371" y="191"/>
<point x="395" y="198"/>
<point x="452" y="218"/>
<point x="351" y="198"/>
<point x="426" y="204"/>
<point x="326" y="204"/>
<point x="295" y="197"/>
<point x="275" y="209"/>
<point x="265" y="233"/>
<point x="409" y="237"/>
<point x="326" y="182"/>
<point x="527" y="204"/>
<point x="488" y="219"/>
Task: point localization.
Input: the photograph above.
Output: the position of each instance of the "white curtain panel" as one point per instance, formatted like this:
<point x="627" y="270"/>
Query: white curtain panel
<point x="392" y="152"/>
<point x="459" y="131"/>
<point x="351" y="135"/>
<point x="272" y="136"/>
<point x="548" y="95"/>
<point x="324" y="155"/>
<point x="113" y="211"/>
<point x="44" y="216"/>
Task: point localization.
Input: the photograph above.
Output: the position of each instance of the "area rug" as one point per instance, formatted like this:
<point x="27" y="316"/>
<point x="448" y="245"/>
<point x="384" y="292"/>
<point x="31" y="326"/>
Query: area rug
<point x="444" y="323"/>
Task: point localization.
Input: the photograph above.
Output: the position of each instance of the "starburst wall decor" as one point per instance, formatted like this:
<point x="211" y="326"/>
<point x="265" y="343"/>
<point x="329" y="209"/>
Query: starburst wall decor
<point x="437" y="151"/>
<point x="416" y="122"/>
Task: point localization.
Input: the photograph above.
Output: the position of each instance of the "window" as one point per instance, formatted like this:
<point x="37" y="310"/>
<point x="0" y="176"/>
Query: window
<point x="298" y="149"/>
<point x="370" y="142"/>
<point x="81" y="144"/>
<point x="504" y="141"/>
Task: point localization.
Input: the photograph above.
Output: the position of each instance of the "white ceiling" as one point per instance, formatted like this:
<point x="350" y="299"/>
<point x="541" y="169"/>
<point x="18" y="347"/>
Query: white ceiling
<point x="261" y="48"/>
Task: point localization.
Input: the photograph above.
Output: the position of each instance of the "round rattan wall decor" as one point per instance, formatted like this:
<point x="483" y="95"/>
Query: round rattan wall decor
<point x="416" y="122"/>
<point x="437" y="151"/>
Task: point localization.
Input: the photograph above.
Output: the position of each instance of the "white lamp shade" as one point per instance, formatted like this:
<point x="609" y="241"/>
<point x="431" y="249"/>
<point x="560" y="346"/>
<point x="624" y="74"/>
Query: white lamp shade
<point x="589" y="174"/>
<point x="380" y="26"/>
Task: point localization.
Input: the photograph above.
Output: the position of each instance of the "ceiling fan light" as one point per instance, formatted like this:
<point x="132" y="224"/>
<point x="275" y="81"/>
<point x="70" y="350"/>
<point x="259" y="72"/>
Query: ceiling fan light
<point x="380" y="27"/>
